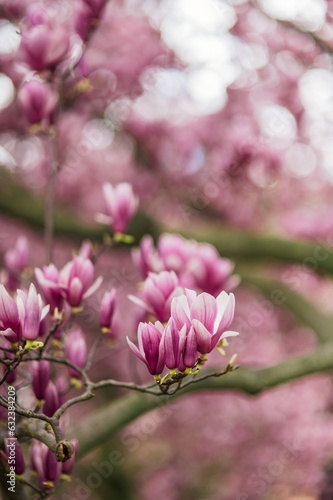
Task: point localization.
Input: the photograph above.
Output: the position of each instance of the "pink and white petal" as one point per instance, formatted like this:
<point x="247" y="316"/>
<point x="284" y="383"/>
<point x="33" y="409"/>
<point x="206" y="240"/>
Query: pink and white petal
<point x="95" y="286"/>
<point x="203" y="337"/>
<point x="159" y="328"/>
<point x="140" y="303"/>
<point x="221" y="301"/>
<point x="190" y="351"/>
<point x="74" y="292"/>
<point x="153" y="295"/>
<point x="45" y="311"/>
<point x="160" y="363"/>
<point x="226" y="310"/>
<point x="180" y="311"/>
<point x="229" y="333"/>
<point x="204" y="309"/>
<point x="136" y="351"/>
<point x="191" y="295"/>
<point x="218" y="336"/>
<point x="20" y="306"/>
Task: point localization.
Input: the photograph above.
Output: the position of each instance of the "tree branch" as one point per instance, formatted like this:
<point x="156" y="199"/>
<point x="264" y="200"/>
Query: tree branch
<point x="303" y="310"/>
<point x="104" y="422"/>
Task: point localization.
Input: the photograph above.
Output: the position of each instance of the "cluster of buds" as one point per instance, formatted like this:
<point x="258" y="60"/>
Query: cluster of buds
<point x="197" y="324"/>
<point x="197" y="265"/>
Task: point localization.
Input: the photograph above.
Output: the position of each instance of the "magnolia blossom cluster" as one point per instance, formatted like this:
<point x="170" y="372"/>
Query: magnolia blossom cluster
<point x="197" y="324"/>
<point x="197" y="265"/>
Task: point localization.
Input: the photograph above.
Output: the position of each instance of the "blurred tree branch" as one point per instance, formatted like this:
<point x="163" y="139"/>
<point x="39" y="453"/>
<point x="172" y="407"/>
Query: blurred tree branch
<point x="303" y="310"/>
<point x="19" y="202"/>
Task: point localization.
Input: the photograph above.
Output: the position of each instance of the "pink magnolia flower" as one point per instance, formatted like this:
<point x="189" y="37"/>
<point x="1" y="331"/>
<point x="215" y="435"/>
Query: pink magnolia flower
<point x="67" y="466"/>
<point x="206" y="270"/>
<point x="121" y="205"/>
<point x="51" y="399"/>
<point x="45" y="45"/>
<point x="76" y="351"/>
<point x="190" y="354"/>
<point x="9" y="316"/>
<point x="16" y="261"/>
<point x="48" y="282"/>
<point x="31" y="312"/>
<point x="151" y="346"/>
<point x="37" y="101"/>
<point x="146" y="257"/>
<point x="107" y="309"/>
<point x="208" y="316"/>
<point x="158" y="291"/>
<point x="86" y="249"/>
<point x="76" y="280"/>
<point x="197" y="265"/>
<point x="16" y="258"/>
<point x="174" y="251"/>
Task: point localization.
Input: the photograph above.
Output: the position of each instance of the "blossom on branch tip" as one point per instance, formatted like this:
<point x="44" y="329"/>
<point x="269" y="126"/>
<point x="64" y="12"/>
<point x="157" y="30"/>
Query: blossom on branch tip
<point x="208" y="316"/>
<point x="48" y="282"/>
<point x="121" y="204"/>
<point x="16" y="258"/>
